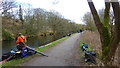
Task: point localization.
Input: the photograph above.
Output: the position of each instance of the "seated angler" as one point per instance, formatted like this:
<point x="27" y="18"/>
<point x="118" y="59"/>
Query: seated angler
<point x="20" y="40"/>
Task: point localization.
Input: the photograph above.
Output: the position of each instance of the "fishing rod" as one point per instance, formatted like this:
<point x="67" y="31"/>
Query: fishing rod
<point x="36" y="51"/>
<point x="6" y="59"/>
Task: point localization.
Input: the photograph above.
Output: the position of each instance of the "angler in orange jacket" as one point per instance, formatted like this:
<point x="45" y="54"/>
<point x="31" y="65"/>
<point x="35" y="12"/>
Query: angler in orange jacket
<point x="20" y="40"/>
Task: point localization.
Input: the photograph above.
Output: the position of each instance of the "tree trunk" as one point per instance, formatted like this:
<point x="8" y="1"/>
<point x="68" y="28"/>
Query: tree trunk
<point x="104" y="32"/>
<point x="96" y="18"/>
<point x="109" y="44"/>
<point x="116" y="39"/>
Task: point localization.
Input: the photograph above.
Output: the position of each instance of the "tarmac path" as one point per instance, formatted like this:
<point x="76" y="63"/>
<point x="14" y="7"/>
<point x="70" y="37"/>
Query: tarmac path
<point x="65" y="53"/>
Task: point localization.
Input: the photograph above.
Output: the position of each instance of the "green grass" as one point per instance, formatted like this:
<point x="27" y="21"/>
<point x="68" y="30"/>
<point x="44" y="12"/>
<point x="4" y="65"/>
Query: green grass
<point x="88" y="49"/>
<point x="17" y="62"/>
<point x="51" y="44"/>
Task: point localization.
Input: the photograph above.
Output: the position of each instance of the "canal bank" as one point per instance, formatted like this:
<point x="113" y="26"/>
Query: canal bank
<point x="33" y="42"/>
<point x="17" y="62"/>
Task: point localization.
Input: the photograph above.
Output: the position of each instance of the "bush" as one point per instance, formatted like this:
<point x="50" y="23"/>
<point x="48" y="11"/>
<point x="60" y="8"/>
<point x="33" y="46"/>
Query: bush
<point x="6" y="35"/>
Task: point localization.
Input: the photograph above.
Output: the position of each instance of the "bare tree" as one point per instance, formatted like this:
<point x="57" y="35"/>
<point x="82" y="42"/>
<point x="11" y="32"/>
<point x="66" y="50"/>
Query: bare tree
<point x="6" y="6"/>
<point x="88" y="19"/>
<point x="21" y="14"/>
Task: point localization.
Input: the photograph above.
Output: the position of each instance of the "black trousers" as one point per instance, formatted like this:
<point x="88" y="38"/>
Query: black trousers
<point x="20" y="46"/>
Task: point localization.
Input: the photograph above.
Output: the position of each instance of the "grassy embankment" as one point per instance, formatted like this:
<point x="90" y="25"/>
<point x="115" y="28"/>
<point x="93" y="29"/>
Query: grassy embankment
<point x="93" y="41"/>
<point x="16" y="62"/>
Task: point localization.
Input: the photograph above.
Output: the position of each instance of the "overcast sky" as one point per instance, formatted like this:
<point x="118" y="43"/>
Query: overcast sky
<point x="70" y="9"/>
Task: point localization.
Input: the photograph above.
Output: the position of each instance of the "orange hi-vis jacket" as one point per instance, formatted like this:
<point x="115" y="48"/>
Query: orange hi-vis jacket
<point x="21" y="38"/>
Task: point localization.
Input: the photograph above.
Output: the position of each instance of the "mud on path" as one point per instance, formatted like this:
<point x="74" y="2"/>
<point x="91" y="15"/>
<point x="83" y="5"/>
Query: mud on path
<point x="65" y="53"/>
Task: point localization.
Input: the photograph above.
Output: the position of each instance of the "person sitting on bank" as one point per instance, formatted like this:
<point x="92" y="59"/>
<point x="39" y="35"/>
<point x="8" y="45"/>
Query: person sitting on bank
<point x="20" y="40"/>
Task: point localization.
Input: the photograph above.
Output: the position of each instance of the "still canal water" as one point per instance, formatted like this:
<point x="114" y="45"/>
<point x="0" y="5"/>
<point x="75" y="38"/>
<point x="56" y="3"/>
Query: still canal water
<point x="32" y="42"/>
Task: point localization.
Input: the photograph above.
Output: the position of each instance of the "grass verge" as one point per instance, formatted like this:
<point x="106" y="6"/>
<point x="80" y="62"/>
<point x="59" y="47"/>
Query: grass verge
<point x="88" y="49"/>
<point x="91" y="38"/>
<point x="50" y="44"/>
<point x="16" y="62"/>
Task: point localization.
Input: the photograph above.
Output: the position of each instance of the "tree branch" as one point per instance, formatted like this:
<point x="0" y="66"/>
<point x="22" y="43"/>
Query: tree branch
<point x="96" y="18"/>
<point x="116" y="39"/>
<point x="106" y="14"/>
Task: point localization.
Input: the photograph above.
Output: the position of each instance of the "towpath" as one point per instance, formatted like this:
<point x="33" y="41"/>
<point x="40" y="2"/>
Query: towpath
<point x="65" y="53"/>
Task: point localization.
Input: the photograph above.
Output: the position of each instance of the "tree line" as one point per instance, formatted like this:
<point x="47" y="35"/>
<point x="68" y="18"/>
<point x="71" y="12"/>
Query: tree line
<point x="33" y="21"/>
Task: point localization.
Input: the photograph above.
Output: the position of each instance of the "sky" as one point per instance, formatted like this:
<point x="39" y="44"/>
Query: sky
<point x="69" y="9"/>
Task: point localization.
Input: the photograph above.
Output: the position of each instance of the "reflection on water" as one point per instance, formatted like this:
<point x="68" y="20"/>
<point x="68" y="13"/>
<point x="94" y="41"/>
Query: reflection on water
<point x="32" y="42"/>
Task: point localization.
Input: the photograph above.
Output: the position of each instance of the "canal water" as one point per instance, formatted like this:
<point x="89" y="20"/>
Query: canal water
<point x="33" y="42"/>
